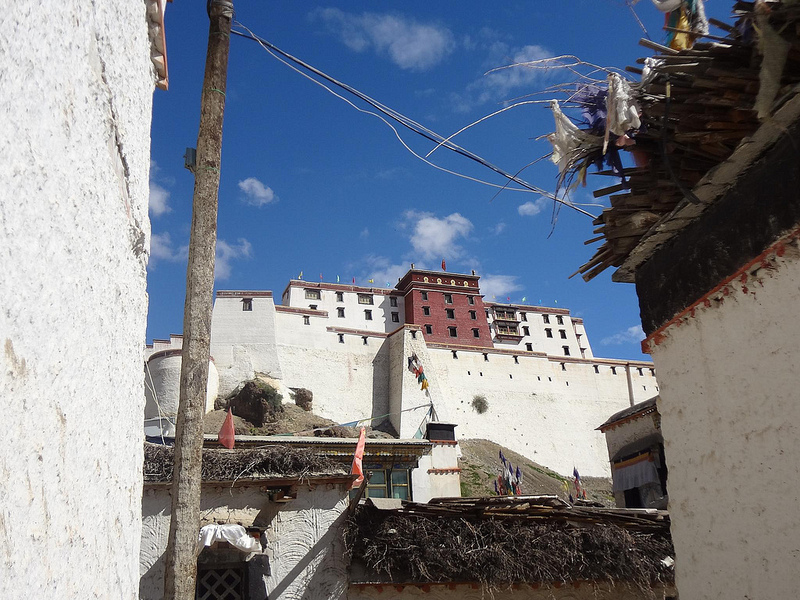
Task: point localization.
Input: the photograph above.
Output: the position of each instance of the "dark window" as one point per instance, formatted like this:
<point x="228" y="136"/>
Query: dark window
<point x="548" y="332"/>
<point x="473" y="315"/>
<point x="640" y="371"/>
<point x="455" y="355"/>
<point x="596" y="368"/>
<point x="451" y="314"/>
<point x="312" y="306"/>
<point x="507" y="329"/>
<point x="426" y="310"/>
<point x="340" y="312"/>
<point x="413" y="334"/>
<point x="395" y="317"/>
<point x="453" y="331"/>
<point x="428" y="329"/>
<point x="341" y="338"/>
<point x="613" y="370"/>
<point x="566" y="350"/>
<point x="526" y="331"/>
<point x="546" y="318"/>
<point x="392" y="301"/>
<point x="516" y="361"/>
<point x="529" y="347"/>
<point x="448" y="298"/>
<point x="247" y="304"/>
<point x="476" y="333"/>
<point x="560" y="319"/>
<point x="487" y="313"/>
<point x="306" y="320"/>
<point x="313" y="295"/>
<point x="219" y="582"/>
<point x="424" y="295"/>
<point x="340" y="296"/>
<point x="485" y="357"/>
<point x="523" y="316"/>
<point x="508" y="315"/>
<point x="365" y="299"/>
<point x="366" y="340"/>
<point x="562" y="333"/>
<point x="563" y="366"/>
<point x="368" y="315"/>
<point x="470" y="300"/>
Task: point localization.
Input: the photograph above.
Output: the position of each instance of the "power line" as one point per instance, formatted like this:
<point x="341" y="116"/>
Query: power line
<point x="406" y="122"/>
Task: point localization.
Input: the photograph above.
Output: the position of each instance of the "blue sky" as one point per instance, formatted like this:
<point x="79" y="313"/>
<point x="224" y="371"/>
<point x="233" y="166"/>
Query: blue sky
<point x="310" y="184"/>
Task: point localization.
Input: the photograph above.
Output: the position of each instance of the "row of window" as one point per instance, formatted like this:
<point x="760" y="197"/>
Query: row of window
<point x="313" y="294"/>
<point x="340" y="314"/>
<point x="453" y="331"/>
<point x="448" y="298"/>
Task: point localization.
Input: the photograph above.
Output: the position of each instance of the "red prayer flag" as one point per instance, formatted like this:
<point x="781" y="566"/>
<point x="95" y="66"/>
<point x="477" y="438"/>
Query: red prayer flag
<point x="358" y="458"/>
<point x="226" y="435"/>
<point x="444" y="267"/>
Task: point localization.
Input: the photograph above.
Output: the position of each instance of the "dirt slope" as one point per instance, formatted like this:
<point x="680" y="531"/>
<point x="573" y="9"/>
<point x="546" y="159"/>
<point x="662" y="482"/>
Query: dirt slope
<point x="480" y="465"/>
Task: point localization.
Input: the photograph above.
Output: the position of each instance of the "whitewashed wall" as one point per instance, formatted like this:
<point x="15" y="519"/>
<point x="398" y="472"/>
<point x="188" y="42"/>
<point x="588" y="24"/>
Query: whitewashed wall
<point x="243" y="342"/>
<point x="303" y="536"/>
<point x="438" y="474"/>
<point x="536" y="408"/>
<point x="730" y="417"/>
<point x="77" y="87"/>
<point x="163" y="385"/>
<point x="619" y="436"/>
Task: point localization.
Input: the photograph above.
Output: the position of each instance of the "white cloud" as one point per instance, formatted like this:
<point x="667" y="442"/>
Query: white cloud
<point x="630" y="335"/>
<point x="435" y="238"/>
<point x="503" y="84"/>
<point x="499" y="285"/>
<point x="256" y="193"/>
<point x="382" y="271"/>
<point x="409" y="44"/>
<point x="531" y="209"/>
<point x="499" y="228"/>
<point x="226" y="253"/>
<point x="364" y="233"/>
<point x="159" y="196"/>
<point x="162" y="248"/>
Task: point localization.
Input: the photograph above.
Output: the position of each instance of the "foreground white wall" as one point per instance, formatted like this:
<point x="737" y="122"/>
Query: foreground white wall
<point x="731" y="423"/>
<point x="74" y="158"/>
<point x="304" y="544"/>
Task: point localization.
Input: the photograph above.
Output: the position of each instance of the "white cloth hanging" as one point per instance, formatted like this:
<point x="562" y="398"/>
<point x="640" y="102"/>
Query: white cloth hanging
<point x="667" y="5"/>
<point x="567" y="139"/>
<point x="235" y="535"/>
<point x="622" y="112"/>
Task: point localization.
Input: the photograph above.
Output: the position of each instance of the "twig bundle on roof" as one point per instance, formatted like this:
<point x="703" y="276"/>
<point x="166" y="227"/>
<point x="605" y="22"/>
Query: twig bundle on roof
<point x="697" y="105"/>
<point x="268" y="462"/>
<point x="498" y="547"/>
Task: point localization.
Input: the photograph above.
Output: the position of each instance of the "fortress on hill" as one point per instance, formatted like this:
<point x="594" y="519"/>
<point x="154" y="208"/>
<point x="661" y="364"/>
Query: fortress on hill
<point x="546" y="392"/>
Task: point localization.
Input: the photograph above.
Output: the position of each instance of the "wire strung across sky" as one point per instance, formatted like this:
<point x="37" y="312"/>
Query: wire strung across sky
<point x="406" y="122"/>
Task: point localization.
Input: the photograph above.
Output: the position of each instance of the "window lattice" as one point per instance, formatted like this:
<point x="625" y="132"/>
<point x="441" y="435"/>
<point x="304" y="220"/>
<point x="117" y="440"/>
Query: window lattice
<point x="221" y="584"/>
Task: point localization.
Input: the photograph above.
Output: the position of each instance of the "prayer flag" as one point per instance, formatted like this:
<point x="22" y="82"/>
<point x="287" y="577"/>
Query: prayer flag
<point x="354" y="280"/>
<point x="320" y="276"/>
<point x="524" y="298"/>
<point x="444" y="266"/>
<point x="357" y="460"/>
<point x="227" y="435"/>
<point x="371" y="281"/>
<point x="337" y="279"/>
<point x="300" y="276"/>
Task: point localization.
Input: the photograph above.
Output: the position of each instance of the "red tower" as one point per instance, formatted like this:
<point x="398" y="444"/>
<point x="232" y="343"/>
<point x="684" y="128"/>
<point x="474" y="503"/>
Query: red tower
<point x="447" y="306"/>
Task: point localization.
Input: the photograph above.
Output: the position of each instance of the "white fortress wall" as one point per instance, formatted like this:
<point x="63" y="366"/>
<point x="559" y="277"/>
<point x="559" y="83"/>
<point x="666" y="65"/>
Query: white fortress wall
<point x="349" y="378"/>
<point x="535" y="407"/>
<point x="77" y="86"/>
<point x="409" y="395"/>
<point x="243" y="341"/>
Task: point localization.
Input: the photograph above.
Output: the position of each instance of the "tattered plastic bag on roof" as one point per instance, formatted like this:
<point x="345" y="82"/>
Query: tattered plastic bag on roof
<point x="623" y="114"/>
<point x="568" y="139"/>
<point x="235" y="535"/>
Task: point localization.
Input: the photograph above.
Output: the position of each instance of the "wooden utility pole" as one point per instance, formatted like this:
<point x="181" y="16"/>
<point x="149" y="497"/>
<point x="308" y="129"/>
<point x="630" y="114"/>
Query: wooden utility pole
<point x="181" y="560"/>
